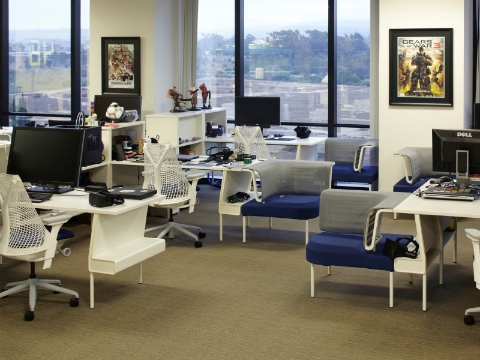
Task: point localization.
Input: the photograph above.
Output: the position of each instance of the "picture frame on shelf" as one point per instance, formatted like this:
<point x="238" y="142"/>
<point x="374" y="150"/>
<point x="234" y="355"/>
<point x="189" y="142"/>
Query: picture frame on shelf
<point x="120" y="65"/>
<point x="421" y="67"/>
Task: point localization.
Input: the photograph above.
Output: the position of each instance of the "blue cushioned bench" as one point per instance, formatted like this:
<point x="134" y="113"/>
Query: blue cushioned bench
<point x="350" y="221"/>
<point x="348" y="156"/>
<point x="289" y="190"/>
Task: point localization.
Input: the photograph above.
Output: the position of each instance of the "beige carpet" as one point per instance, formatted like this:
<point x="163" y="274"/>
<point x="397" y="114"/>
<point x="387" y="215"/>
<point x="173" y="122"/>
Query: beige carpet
<point x="229" y="300"/>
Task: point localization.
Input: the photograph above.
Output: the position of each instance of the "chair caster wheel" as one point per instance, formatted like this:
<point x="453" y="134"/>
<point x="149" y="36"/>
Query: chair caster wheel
<point x="29" y="316"/>
<point x="73" y="302"/>
<point x="201" y="234"/>
<point x="198" y="244"/>
<point x="469" y="320"/>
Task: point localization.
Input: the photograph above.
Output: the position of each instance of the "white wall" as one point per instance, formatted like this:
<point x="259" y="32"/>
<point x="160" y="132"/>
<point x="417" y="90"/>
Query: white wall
<point x="154" y="21"/>
<point x="401" y="126"/>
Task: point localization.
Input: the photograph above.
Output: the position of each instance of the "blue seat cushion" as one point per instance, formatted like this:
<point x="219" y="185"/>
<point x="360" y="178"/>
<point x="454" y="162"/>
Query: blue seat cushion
<point x="404" y="186"/>
<point x="62" y="233"/>
<point x="328" y="248"/>
<point x="290" y="206"/>
<point x="345" y="172"/>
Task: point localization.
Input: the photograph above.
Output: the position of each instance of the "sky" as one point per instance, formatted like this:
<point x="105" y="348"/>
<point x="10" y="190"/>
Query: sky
<point x="219" y="14"/>
<point x="37" y="14"/>
<point x="276" y="13"/>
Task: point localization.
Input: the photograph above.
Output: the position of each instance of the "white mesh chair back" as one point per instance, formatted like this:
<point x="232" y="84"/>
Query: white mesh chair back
<point x="418" y="163"/>
<point x="249" y="140"/>
<point x="22" y="232"/>
<point x="357" y="212"/>
<point x="163" y="173"/>
<point x="281" y="177"/>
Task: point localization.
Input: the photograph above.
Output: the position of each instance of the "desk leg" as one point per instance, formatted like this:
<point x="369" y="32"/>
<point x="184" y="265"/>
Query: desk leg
<point x="221" y="227"/>
<point x="305" y="152"/>
<point x="91" y="291"/>
<point x="424" y="292"/>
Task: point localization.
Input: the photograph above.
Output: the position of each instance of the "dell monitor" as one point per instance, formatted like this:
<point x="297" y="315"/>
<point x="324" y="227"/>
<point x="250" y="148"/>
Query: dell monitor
<point x="456" y="151"/>
<point x="260" y="111"/>
<point x="49" y="158"/>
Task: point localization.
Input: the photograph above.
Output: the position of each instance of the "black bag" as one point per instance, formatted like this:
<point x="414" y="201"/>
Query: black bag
<point x="394" y="248"/>
<point x="302" y="132"/>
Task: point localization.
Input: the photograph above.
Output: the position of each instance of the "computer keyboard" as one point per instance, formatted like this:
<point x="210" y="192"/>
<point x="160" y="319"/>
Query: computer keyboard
<point x="39" y="197"/>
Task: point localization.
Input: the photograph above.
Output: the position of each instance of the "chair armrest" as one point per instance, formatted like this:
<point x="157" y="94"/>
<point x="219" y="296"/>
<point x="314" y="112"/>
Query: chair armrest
<point x="360" y="154"/>
<point x="53" y="219"/>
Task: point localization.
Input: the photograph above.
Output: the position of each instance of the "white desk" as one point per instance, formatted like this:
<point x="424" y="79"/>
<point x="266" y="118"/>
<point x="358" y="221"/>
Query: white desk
<point x="432" y="217"/>
<point x="306" y="148"/>
<point x="234" y="179"/>
<point x="117" y="240"/>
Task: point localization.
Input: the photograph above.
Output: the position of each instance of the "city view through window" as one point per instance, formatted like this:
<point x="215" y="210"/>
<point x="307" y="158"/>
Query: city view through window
<point x="39" y="59"/>
<point x="286" y="55"/>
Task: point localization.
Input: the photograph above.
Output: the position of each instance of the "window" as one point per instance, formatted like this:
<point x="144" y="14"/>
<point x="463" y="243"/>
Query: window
<point x="285" y="46"/>
<point x="41" y="81"/>
<point x="216" y="52"/>
<point x="353" y="67"/>
<point x="285" y="54"/>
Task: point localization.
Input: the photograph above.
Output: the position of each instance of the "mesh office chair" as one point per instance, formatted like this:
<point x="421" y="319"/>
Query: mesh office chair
<point x="24" y="237"/>
<point x="163" y="173"/>
<point x="249" y="140"/>
<point x="474" y="235"/>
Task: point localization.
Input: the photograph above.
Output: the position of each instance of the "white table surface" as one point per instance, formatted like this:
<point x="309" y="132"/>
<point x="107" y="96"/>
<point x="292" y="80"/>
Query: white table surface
<point x="270" y="141"/>
<point x="77" y="201"/>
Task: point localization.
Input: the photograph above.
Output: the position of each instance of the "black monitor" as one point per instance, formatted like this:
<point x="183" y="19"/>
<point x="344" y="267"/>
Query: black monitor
<point x="128" y="102"/>
<point x="263" y="111"/>
<point x="47" y="157"/>
<point x="456" y="151"/>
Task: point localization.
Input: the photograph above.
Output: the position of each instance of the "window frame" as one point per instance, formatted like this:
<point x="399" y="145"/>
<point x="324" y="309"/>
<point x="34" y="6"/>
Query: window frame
<point x="332" y="125"/>
<point x="75" y="56"/>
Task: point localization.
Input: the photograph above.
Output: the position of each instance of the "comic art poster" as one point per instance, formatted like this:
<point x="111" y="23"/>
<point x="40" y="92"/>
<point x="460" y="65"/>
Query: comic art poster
<point x="421" y="66"/>
<point x="120" y="66"/>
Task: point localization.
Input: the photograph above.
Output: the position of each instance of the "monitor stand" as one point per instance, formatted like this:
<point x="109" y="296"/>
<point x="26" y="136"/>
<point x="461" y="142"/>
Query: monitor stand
<point x="462" y="178"/>
<point x="51" y="189"/>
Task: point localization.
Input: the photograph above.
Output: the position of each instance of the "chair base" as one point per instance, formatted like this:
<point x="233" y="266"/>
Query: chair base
<point x="170" y="228"/>
<point x="32" y="284"/>
<point x="469" y="319"/>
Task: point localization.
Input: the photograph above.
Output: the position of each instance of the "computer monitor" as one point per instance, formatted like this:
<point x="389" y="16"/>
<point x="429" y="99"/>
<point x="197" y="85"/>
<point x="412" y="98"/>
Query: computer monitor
<point x="128" y="102"/>
<point x="458" y="152"/>
<point x="263" y="111"/>
<point x="47" y="157"/>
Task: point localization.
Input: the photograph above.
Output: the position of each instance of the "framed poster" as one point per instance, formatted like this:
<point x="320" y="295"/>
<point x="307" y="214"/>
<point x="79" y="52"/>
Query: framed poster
<point x="421" y="67"/>
<point x="121" y="65"/>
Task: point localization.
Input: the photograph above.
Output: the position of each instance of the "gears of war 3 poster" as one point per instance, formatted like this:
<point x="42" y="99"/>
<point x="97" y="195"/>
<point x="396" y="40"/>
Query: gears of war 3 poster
<point x="421" y="65"/>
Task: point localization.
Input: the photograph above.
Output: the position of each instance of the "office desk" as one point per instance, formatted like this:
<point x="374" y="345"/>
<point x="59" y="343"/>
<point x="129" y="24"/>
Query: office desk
<point x="117" y="240"/>
<point x="432" y="218"/>
<point x="235" y="179"/>
<point x="306" y="148"/>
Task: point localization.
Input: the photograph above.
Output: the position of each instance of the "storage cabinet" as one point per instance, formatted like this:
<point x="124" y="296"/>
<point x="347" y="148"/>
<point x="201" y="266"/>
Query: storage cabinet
<point x="114" y="172"/>
<point x="185" y="128"/>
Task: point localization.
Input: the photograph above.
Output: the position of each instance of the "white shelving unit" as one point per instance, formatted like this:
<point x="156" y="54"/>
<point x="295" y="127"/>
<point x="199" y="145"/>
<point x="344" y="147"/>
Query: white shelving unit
<point x="171" y="127"/>
<point x="114" y="172"/>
